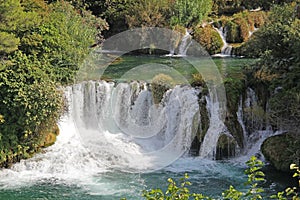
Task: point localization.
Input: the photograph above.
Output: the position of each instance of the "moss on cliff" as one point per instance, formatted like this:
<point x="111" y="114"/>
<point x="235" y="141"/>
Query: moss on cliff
<point x="234" y="89"/>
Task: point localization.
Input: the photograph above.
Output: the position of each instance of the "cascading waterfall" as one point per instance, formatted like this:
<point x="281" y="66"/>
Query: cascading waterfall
<point x="254" y="136"/>
<point x="240" y="118"/>
<point x="121" y="123"/>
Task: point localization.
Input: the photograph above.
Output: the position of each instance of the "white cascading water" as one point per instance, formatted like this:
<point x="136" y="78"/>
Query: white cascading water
<point x="110" y="127"/>
<point x="240" y="118"/>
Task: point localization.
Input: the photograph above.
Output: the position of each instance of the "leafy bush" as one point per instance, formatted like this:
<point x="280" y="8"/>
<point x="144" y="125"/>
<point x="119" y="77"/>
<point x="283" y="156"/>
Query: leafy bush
<point x="188" y="13"/>
<point x="30" y="104"/>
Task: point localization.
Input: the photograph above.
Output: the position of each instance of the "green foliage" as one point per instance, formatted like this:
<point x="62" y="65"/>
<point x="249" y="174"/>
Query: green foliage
<point x="229" y="7"/>
<point x="290" y="193"/>
<point x="281" y="27"/>
<point x="148" y="13"/>
<point x="8" y="43"/>
<point x="174" y="191"/>
<point x="124" y="14"/>
<point x="278" y="46"/>
<point x="30" y="104"/>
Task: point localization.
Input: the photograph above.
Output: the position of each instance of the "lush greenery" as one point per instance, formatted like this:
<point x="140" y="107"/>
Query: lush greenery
<point x="124" y="14"/>
<point x="254" y="191"/>
<point x="229" y="7"/>
<point x="41" y="47"/>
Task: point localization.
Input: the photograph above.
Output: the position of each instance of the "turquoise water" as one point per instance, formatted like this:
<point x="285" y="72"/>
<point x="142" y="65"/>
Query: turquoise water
<point x="207" y="177"/>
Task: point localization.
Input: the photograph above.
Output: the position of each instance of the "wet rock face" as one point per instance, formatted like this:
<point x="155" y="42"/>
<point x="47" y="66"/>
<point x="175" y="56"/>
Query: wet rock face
<point x="226" y="147"/>
<point x="282" y="150"/>
<point x="195" y="147"/>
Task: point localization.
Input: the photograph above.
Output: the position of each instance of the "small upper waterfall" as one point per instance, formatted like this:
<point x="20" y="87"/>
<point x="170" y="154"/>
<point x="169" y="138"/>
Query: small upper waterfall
<point x="182" y="47"/>
<point x="227" y="48"/>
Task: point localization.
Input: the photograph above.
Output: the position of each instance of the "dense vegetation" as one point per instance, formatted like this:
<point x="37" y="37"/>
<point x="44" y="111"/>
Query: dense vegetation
<point x="41" y="47"/>
<point x="278" y="46"/>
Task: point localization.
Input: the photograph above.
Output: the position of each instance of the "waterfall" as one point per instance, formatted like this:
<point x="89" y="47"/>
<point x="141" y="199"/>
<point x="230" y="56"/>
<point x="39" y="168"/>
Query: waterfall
<point x="117" y="127"/>
<point x="240" y="118"/>
<point x="120" y="124"/>
<point x="227" y="48"/>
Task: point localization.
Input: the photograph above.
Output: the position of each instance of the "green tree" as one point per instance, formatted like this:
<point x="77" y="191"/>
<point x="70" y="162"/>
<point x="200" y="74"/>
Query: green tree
<point x="149" y="13"/>
<point x="9" y="20"/>
<point x="190" y="12"/>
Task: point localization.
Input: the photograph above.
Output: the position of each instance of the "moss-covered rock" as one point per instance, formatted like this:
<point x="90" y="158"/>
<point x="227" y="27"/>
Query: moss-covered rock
<point x="209" y="38"/>
<point x="204" y="119"/>
<point x="160" y="84"/>
<point x="49" y="137"/>
<point x="234" y="89"/>
<point x="282" y="150"/>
